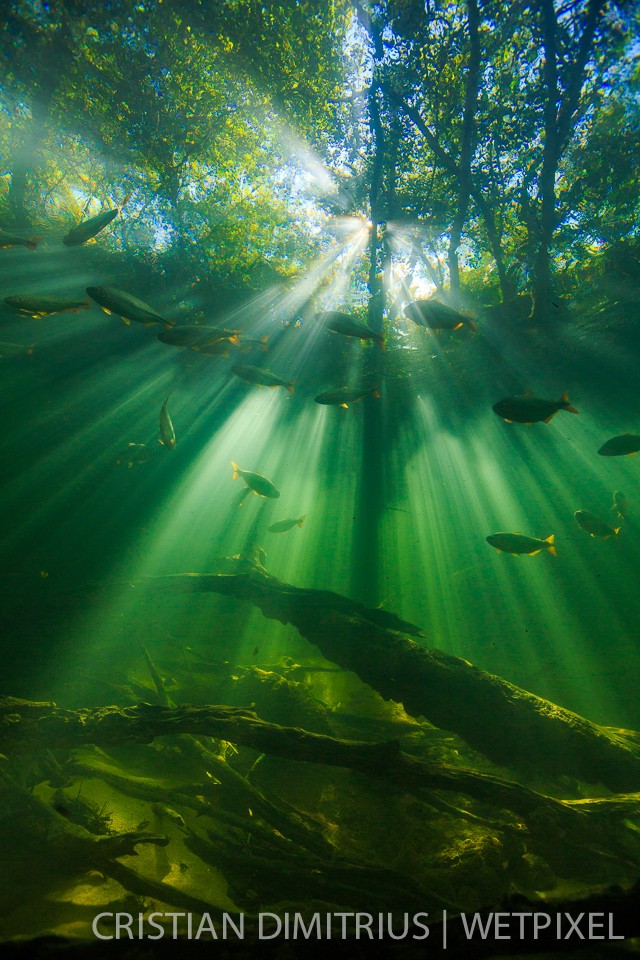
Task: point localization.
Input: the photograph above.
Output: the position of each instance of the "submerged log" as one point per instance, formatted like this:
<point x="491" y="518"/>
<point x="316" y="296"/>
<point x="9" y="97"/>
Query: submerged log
<point x="507" y="724"/>
<point x="587" y="827"/>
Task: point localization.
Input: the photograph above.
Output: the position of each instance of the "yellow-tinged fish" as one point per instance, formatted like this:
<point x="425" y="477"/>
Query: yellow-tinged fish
<point x="623" y="446"/>
<point x="343" y="396"/>
<point x="517" y="543"/>
<point x="9" y="240"/>
<point x="201" y="338"/>
<point x="88" y="229"/>
<point x="134" y="453"/>
<point x="126" y="306"/>
<point x="38" y="307"/>
<point x="530" y="409"/>
<point x="349" y="327"/>
<point x="437" y="316"/>
<point x="283" y="525"/>
<point x="167" y="433"/>
<point x="619" y="505"/>
<point x="594" y="526"/>
<point x="256" y="482"/>
<point x="261" y="377"/>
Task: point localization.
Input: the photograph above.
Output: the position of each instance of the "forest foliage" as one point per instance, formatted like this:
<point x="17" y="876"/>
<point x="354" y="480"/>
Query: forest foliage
<point x="491" y="147"/>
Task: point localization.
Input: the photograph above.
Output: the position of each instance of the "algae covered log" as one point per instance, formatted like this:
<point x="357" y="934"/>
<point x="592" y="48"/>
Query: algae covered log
<point x="504" y="722"/>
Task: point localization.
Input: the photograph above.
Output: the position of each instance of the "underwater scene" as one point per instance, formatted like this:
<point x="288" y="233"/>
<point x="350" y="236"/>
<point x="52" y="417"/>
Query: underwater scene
<point x="320" y="503"/>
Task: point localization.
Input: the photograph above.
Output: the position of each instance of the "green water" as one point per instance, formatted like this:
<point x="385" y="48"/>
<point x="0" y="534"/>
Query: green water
<point x="261" y="185"/>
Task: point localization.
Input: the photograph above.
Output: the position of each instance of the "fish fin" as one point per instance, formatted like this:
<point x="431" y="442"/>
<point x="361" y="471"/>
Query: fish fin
<point x="345" y="405"/>
<point x="507" y="420"/>
<point x="86" y="305"/>
<point x="125" y="320"/>
<point x="376" y="393"/>
<point x="550" y="538"/>
<point x="571" y="409"/>
<point x="122" y="202"/>
<point x="236" y="470"/>
<point x="382" y="345"/>
<point x="149" y="323"/>
<point x="108" y="312"/>
<point x="632" y="454"/>
<point x="30" y="349"/>
<point x="534" y="552"/>
<point x="234" y="339"/>
<point x="617" y="530"/>
<point x="130" y="464"/>
<point x="264" y="341"/>
<point x="290" y="388"/>
<point x="273" y="386"/>
<point x="75" y="309"/>
<point x="169" y="324"/>
<point x="458" y="325"/>
<point x="32" y="243"/>
<point x="302" y="519"/>
<point x="550" y="417"/>
<point x="553" y="550"/>
<point x="565" y="397"/>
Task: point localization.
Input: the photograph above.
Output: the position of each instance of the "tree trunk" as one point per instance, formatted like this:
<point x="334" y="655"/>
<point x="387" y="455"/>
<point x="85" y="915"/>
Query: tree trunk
<point x="502" y="721"/>
<point x="467" y="142"/>
<point x="557" y="131"/>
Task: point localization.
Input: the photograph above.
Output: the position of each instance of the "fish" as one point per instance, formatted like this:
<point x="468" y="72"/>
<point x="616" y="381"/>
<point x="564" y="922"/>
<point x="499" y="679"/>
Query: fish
<point x="10" y="240"/>
<point x="134" y="453"/>
<point x="38" y="307"/>
<point x="619" y="505"/>
<point x="530" y="409"/>
<point x="262" y="377"/>
<point x="517" y="543"/>
<point x="437" y="316"/>
<point x="256" y="482"/>
<point x="348" y="327"/>
<point x="342" y="396"/>
<point x="283" y="525"/>
<point x="594" y="525"/>
<point x="199" y="338"/>
<point x="167" y="433"/>
<point x="88" y="229"/>
<point x="10" y="351"/>
<point x="623" y="446"/>
<point x="126" y="306"/>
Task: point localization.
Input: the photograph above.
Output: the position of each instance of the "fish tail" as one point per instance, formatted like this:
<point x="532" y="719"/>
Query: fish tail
<point x="290" y="387"/>
<point x="234" y="339"/>
<point x="473" y="326"/>
<point x="32" y="243"/>
<point x="381" y="344"/>
<point x="122" y="203"/>
<point x="376" y="393"/>
<point x="564" y="399"/>
<point x="345" y="405"/>
<point x="264" y="341"/>
<point x="236" y="470"/>
<point x="302" y="519"/>
<point x="550" y="540"/>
